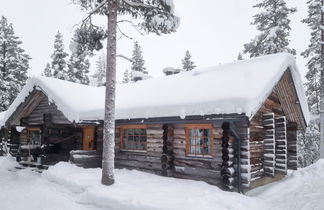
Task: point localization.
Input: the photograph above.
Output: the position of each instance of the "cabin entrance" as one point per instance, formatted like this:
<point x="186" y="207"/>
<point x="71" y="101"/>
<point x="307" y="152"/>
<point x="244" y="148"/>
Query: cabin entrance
<point x="88" y="138"/>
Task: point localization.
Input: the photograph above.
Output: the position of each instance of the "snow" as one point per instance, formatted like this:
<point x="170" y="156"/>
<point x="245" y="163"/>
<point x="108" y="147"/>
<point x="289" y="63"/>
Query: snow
<point x="66" y="186"/>
<point x="2" y="116"/>
<point x="239" y="87"/>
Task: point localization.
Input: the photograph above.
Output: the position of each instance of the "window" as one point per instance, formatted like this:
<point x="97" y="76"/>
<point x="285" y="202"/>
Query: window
<point x="34" y="136"/>
<point x="199" y="139"/>
<point x="133" y="137"/>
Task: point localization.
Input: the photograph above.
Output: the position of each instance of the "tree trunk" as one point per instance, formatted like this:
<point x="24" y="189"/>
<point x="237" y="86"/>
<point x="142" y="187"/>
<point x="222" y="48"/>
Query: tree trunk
<point x="109" y="122"/>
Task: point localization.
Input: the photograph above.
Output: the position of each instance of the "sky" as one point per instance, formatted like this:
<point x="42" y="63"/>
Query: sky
<point x="214" y="32"/>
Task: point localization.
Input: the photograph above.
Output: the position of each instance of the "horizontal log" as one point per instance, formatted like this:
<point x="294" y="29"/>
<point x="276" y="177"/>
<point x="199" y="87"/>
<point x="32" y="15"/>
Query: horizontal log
<point x="197" y="172"/>
<point x="138" y="164"/>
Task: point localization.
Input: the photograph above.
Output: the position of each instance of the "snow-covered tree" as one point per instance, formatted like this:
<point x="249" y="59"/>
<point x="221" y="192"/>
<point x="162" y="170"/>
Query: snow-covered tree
<point x="78" y="68"/>
<point x="308" y="144"/>
<point x="59" y="58"/>
<point x="13" y="64"/>
<point x="100" y="74"/>
<point x="314" y="55"/>
<point x="47" y="71"/>
<point x="138" y="60"/>
<point x="187" y="63"/>
<point x="127" y="76"/>
<point x="78" y="65"/>
<point x="308" y="141"/>
<point x="273" y="24"/>
<point x="153" y="16"/>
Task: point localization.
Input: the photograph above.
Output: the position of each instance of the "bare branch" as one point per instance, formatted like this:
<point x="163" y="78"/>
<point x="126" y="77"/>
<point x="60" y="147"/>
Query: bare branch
<point x="125" y="57"/>
<point x="122" y="33"/>
<point x="95" y="10"/>
<point x="132" y="24"/>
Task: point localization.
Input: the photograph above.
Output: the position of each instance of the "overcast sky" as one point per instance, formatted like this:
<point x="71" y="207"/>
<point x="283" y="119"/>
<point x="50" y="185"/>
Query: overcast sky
<point x="214" y="31"/>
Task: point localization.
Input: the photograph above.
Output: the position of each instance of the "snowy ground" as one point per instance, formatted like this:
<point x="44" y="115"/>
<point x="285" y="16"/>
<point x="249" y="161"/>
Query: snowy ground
<point x="65" y="186"/>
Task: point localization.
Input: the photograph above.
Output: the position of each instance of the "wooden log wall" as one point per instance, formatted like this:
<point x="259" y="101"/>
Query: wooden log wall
<point x="246" y="167"/>
<point x="269" y="144"/>
<point x="45" y="110"/>
<point x="198" y="168"/>
<point x="281" y="144"/>
<point x="147" y="161"/>
<point x="227" y="171"/>
<point x="167" y="151"/>
<point x="13" y="141"/>
<point x="256" y="151"/>
<point x="292" y="146"/>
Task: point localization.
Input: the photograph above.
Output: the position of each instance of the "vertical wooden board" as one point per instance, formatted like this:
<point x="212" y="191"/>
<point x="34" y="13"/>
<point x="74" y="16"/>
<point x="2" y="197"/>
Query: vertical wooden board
<point x="88" y="138"/>
<point x="281" y="144"/>
<point x="269" y="144"/>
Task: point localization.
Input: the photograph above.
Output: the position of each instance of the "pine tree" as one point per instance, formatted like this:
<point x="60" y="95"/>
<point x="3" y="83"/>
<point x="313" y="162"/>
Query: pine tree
<point x="187" y="64"/>
<point x="155" y="16"/>
<point x="13" y="64"/>
<point x="100" y="74"/>
<point x="308" y="141"/>
<point x="308" y="144"/>
<point x="138" y="60"/>
<point x="273" y="24"/>
<point x="58" y="58"/>
<point x="47" y="71"/>
<point x="314" y="55"/>
<point x="127" y="76"/>
<point x="78" y="68"/>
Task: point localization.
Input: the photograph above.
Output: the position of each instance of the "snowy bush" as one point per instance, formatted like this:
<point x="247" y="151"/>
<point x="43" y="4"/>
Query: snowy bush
<point x="308" y="144"/>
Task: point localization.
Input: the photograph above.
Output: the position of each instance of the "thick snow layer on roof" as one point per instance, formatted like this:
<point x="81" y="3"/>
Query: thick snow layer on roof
<point x="239" y="87"/>
<point x="2" y="116"/>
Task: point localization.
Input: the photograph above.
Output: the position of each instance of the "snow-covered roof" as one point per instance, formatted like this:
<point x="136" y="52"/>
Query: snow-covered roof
<point x="2" y="116"/>
<point x="238" y="87"/>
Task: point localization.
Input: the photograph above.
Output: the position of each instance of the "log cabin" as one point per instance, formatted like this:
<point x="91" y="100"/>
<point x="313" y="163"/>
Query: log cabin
<point x="233" y="125"/>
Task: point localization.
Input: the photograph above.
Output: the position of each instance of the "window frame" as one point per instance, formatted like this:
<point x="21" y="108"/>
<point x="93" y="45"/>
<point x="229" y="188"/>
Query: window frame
<point x="199" y="126"/>
<point x="28" y="135"/>
<point x="121" y="136"/>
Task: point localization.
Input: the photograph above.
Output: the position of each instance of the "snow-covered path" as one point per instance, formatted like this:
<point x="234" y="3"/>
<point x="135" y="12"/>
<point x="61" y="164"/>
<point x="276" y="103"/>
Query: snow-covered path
<point x="65" y="186"/>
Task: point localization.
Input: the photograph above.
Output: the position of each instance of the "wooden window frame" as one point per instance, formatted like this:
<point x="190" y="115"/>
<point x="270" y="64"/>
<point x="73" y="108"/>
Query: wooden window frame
<point x="34" y="129"/>
<point x="199" y="126"/>
<point x="121" y="136"/>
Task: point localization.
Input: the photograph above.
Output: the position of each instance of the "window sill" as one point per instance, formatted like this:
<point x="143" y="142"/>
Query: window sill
<point x="200" y="156"/>
<point x="135" y="151"/>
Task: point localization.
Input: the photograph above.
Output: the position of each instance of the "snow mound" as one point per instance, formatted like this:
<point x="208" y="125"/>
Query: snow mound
<point x="302" y="189"/>
<point x="239" y="87"/>
<point x="140" y="191"/>
<point x="66" y="186"/>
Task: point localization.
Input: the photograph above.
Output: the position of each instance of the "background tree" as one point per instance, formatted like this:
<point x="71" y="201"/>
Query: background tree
<point x="13" y="64"/>
<point x="78" y="65"/>
<point x="58" y="58"/>
<point x="308" y="144"/>
<point x="273" y="23"/>
<point x="314" y="55"/>
<point x="127" y="76"/>
<point x="309" y="141"/>
<point x="138" y="60"/>
<point x="47" y="71"/>
<point x="153" y="16"/>
<point x="100" y="74"/>
<point x="187" y="63"/>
